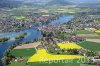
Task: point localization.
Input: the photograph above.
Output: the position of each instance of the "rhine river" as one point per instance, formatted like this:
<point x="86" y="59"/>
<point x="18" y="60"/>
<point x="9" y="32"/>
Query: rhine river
<point x="33" y="33"/>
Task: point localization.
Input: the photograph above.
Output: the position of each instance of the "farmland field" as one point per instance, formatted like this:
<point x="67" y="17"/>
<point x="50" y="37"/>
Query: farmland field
<point x="46" y="64"/>
<point x="84" y="32"/>
<point x="68" y="46"/>
<point x="23" y="52"/>
<point x="91" y="45"/>
<point x="35" y="60"/>
<point x="42" y="55"/>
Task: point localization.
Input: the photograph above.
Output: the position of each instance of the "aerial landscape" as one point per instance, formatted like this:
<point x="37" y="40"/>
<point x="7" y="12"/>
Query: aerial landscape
<point x="49" y="32"/>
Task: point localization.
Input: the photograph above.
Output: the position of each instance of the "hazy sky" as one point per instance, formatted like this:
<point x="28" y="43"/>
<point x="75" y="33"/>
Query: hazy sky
<point x="85" y="1"/>
<point x="75" y="1"/>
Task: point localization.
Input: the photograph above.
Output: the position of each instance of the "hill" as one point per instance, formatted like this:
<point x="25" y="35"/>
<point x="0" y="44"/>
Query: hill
<point x="59" y="2"/>
<point x="9" y="3"/>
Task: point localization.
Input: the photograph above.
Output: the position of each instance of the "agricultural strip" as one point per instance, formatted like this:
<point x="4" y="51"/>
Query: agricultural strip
<point x="90" y="45"/>
<point x="42" y="55"/>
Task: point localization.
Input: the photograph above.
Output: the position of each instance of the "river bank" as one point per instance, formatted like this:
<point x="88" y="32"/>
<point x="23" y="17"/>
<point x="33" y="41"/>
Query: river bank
<point x="33" y="33"/>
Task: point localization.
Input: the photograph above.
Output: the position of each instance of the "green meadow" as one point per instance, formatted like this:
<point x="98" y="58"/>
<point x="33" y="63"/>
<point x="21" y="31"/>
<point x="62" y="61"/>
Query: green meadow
<point x="27" y="53"/>
<point x="84" y="32"/>
<point x="23" y="52"/>
<point x="90" y="45"/>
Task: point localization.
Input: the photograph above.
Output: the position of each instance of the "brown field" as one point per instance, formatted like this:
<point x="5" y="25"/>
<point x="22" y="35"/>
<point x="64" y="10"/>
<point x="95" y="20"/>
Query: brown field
<point x="98" y="53"/>
<point x="93" y="40"/>
<point x="30" y="45"/>
<point x="85" y="35"/>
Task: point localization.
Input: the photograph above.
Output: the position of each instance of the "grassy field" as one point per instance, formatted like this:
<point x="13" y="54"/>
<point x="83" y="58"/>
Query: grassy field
<point x="84" y="32"/>
<point x="26" y="53"/>
<point x="18" y="63"/>
<point x="22" y="18"/>
<point x="91" y="45"/>
<point x="23" y="52"/>
<point x="87" y="65"/>
<point x="60" y="63"/>
<point x="74" y="63"/>
<point x="89" y="32"/>
<point x="35" y="60"/>
<point x="92" y="37"/>
<point x="95" y="16"/>
<point x="65" y="60"/>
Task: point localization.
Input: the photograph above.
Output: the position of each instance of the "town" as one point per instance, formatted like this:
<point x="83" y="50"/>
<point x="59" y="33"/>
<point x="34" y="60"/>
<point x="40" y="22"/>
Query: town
<point x="34" y="35"/>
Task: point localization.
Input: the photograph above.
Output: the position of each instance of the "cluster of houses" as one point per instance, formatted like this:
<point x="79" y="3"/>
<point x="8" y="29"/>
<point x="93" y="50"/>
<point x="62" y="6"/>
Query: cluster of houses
<point x="9" y="23"/>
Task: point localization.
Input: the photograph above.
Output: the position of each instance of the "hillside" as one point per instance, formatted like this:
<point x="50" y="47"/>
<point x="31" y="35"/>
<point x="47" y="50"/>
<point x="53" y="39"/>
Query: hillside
<point x="9" y="3"/>
<point x="59" y="2"/>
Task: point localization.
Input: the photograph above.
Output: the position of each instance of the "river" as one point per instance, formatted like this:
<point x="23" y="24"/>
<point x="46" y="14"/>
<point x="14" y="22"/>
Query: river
<point x="33" y="33"/>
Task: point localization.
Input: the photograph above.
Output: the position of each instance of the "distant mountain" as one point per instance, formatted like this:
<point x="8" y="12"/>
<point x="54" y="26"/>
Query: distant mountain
<point x="17" y="3"/>
<point x="85" y="1"/>
<point x="36" y="0"/>
<point x="9" y="3"/>
<point x="59" y="2"/>
<point x="64" y="1"/>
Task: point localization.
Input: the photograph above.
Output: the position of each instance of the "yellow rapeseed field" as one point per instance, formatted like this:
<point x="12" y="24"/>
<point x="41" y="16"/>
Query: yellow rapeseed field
<point x="42" y="54"/>
<point x="45" y="15"/>
<point x="97" y="31"/>
<point x="19" y="18"/>
<point x="68" y="46"/>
